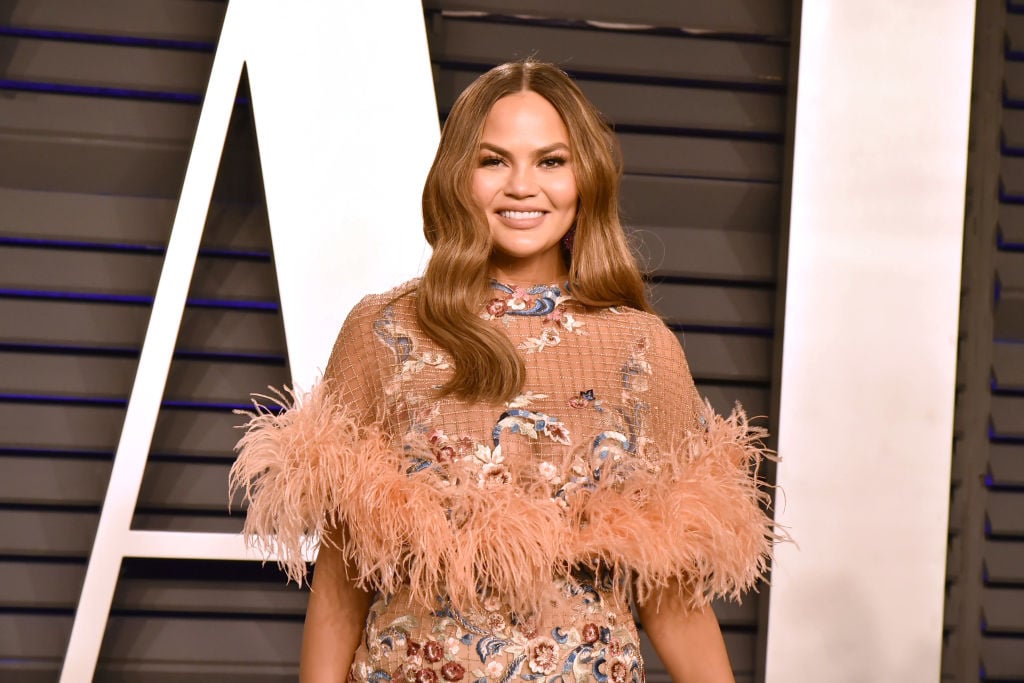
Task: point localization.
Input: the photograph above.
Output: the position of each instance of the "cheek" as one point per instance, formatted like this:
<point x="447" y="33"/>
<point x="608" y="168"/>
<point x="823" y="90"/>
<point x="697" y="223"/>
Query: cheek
<point x="483" y="188"/>
<point x="565" y="194"/>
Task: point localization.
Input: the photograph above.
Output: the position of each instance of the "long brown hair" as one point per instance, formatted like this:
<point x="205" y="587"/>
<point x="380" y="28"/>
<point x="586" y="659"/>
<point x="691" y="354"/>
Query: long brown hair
<point x="602" y="269"/>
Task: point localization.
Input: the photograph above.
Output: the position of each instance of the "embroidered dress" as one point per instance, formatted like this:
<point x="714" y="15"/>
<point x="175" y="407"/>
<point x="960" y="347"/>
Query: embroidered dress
<point x="504" y="541"/>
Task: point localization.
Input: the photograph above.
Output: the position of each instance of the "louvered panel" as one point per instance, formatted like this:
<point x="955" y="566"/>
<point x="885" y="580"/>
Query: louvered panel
<point x="96" y="65"/>
<point x="760" y="17"/>
<point x="640" y="105"/>
<point x="1006" y="465"/>
<point x="649" y="201"/>
<point x="128" y="274"/>
<point x="1008" y="366"/>
<point x="1004" y="562"/>
<point x="78" y="428"/>
<point x="733" y="307"/>
<point x="1013" y="81"/>
<point x="54" y="481"/>
<point x="1008" y="416"/>
<point x="106" y="377"/>
<point x="46" y="533"/>
<point x="123" y="220"/>
<point x="1003" y="611"/>
<point x="648" y="57"/>
<point x="666" y="155"/>
<point x="188" y="522"/>
<point x="1011" y="225"/>
<point x="186" y="487"/>
<point x="1009" y="316"/>
<point x="1006" y="513"/>
<point x="181" y="20"/>
<point x="94" y="325"/>
<point x="729" y="357"/>
<point x="1002" y="659"/>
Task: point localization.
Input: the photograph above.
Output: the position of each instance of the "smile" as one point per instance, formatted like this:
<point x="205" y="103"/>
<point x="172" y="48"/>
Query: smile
<point x="520" y="215"/>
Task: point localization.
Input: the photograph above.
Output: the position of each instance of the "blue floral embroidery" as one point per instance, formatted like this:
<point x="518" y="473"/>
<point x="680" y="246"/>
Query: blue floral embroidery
<point x="537" y="300"/>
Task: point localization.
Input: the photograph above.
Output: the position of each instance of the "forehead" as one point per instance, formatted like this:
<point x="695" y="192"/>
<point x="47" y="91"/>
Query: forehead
<point x="527" y="118"/>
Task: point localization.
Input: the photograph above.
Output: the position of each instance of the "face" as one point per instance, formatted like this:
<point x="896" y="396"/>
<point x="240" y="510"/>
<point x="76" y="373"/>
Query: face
<point x="524" y="182"/>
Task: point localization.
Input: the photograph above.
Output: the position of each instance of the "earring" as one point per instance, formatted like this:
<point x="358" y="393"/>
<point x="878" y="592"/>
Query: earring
<point x="569" y="239"/>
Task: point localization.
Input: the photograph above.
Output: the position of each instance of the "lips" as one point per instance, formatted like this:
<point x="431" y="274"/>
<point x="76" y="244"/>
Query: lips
<point x="521" y="219"/>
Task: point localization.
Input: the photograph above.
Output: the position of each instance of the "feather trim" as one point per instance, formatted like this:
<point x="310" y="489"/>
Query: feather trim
<point x="695" y="515"/>
<point x="698" y="516"/>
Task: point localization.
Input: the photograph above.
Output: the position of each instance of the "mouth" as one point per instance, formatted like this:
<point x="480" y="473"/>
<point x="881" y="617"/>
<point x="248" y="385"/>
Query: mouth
<point x="520" y="215"/>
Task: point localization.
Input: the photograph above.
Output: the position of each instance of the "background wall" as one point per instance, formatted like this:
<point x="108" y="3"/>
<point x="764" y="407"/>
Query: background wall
<point x="98" y="105"/>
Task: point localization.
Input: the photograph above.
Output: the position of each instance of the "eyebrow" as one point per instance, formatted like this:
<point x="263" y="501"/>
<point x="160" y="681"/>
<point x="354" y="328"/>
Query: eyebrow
<point x="538" y="153"/>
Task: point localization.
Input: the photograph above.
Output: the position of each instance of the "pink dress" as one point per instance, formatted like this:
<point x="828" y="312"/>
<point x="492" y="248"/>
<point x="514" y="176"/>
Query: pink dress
<point x="505" y="542"/>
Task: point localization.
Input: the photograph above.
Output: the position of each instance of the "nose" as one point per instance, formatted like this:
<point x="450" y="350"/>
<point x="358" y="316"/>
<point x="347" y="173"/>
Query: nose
<point x="521" y="181"/>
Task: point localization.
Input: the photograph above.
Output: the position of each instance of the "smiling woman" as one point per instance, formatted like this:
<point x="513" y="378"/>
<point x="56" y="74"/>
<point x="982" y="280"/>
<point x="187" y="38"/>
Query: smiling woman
<point x="504" y="454"/>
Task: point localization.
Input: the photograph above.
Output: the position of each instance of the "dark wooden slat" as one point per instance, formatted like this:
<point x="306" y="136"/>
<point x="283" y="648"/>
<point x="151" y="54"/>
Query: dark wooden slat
<point x="1006" y="463"/>
<point x="1012" y="176"/>
<point x="758" y="17"/>
<point x="460" y="41"/>
<point x="35" y="533"/>
<point x="130" y="274"/>
<point x="1010" y="271"/>
<point x="1013" y="81"/>
<point x="657" y="106"/>
<point x="714" y="306"/>
<point x="193" y="487"/>
<point x="1009" y="316"/>
<point x="1008" y="416"/>
<point x="105" y="66"/>
<point x="190" y="20"/>
<point x="715" y="254"/>
<point x="1003" y="610"/>
<point x="120" y="326"/>
<point x="756" y="402"/>
<point x="188" y="522"/>
<point x="43" y="480"/>
<point x="1002" y="659"/>
<point x="1013" y="129"/>
<point x="57" y="585"/>
<point x="112" y="219"/>
<point x="1006" y="513"/>
<point x="649" y="201"/>
<point x="1008" y="365"/>
<point x="729" y="357"/>
<point x="1011" y="222"/>
<point x="1015" y="32"/>
<point x="72" y="428"/>
<point x="700" y="157"/>
<point x="1004" y="561"/>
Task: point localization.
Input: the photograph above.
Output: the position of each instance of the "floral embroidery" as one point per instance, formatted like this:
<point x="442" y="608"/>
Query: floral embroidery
<point x="548" y="337"/>
<point x="586" y="398"/>
<point x="591" y="642"/>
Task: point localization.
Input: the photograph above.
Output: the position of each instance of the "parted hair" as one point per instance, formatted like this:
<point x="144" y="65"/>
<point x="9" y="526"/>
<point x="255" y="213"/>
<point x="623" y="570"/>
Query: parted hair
<point x="602" y="269"/>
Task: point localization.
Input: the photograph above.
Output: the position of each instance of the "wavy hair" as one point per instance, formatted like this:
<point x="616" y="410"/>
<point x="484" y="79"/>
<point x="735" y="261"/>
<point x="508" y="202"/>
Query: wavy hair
<point x="456" y="282"/>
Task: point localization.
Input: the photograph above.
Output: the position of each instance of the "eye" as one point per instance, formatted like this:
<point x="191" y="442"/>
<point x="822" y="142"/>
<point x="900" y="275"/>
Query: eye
<point x="554" y="161"/>
<point x="490" y="161"/>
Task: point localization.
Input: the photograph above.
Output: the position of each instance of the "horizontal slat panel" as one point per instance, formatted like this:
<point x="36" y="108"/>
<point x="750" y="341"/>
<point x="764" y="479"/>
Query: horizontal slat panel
<point x="649" y="201"/>
<point x="1014" y="32"/>
<point x="110" y="219"/>
<point x="658" y="106"/>
<point x="1008" y="365"/>
<point x="755" y="402"/>
<point x="1009" y="317"/>
<point x="1006" y="464"/>
<point x="1010" y="270"/>
<point x="669" y="155"/>
<point x="123" y="326"/>
<point x="92" y="376"/>
<point x="1011" y="222"/>
<point x="729" y="357"/>
<point x="88" y="428"/>
<point x="1013" y="130"/>
<point x="760" y="17"/>
<point x="1002" y="659"/>
<point x="1006" y="513"/>
<point x="1004" y="561"/>
<point x="130" y="274"/>
<point x="45" y="480"/>
<point x="56" y="586"/>
<point x="191" y="20"/>
<point x="195" y="645"/>
<point x="1013" y="82"/>
<point x="46" y="533"/>
<point x="194" y="487"/>
<point x="1008" y="416"/>
<point x="706" y="253"/>
<point x="714" y="306"/>
<point x="1003" y="610"/>
<point x="106" y="66"/>
<point x="609" y="52"/>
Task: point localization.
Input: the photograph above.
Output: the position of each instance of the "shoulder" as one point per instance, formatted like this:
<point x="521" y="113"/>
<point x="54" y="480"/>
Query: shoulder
<point x="374" y="307"/>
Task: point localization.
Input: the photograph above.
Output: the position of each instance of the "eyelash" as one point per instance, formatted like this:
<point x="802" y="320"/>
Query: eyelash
<point x="547" y="162"/>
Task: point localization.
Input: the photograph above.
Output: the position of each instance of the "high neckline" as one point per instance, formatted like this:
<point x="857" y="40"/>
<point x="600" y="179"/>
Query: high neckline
<point x="522" y="300"/>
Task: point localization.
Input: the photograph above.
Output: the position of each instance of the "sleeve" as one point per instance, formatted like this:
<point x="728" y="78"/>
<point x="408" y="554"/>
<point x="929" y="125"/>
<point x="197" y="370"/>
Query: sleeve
<point x="692" y="508"/>
<point x="298" y="458"/>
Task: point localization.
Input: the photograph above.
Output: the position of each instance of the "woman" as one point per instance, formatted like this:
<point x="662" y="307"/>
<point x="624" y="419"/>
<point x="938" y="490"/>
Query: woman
<point x="503" y="453"/>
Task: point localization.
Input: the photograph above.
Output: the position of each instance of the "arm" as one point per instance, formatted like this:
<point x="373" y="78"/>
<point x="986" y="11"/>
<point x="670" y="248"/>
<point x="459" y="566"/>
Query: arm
<point x="688" y="642"/>
<point x="335" y="619"/>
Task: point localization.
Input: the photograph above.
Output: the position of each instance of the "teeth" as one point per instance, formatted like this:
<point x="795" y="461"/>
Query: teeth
<point x="518" y="215"/>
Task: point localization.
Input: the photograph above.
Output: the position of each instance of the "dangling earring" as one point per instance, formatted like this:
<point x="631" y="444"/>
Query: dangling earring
<point x="568" y="240"/>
